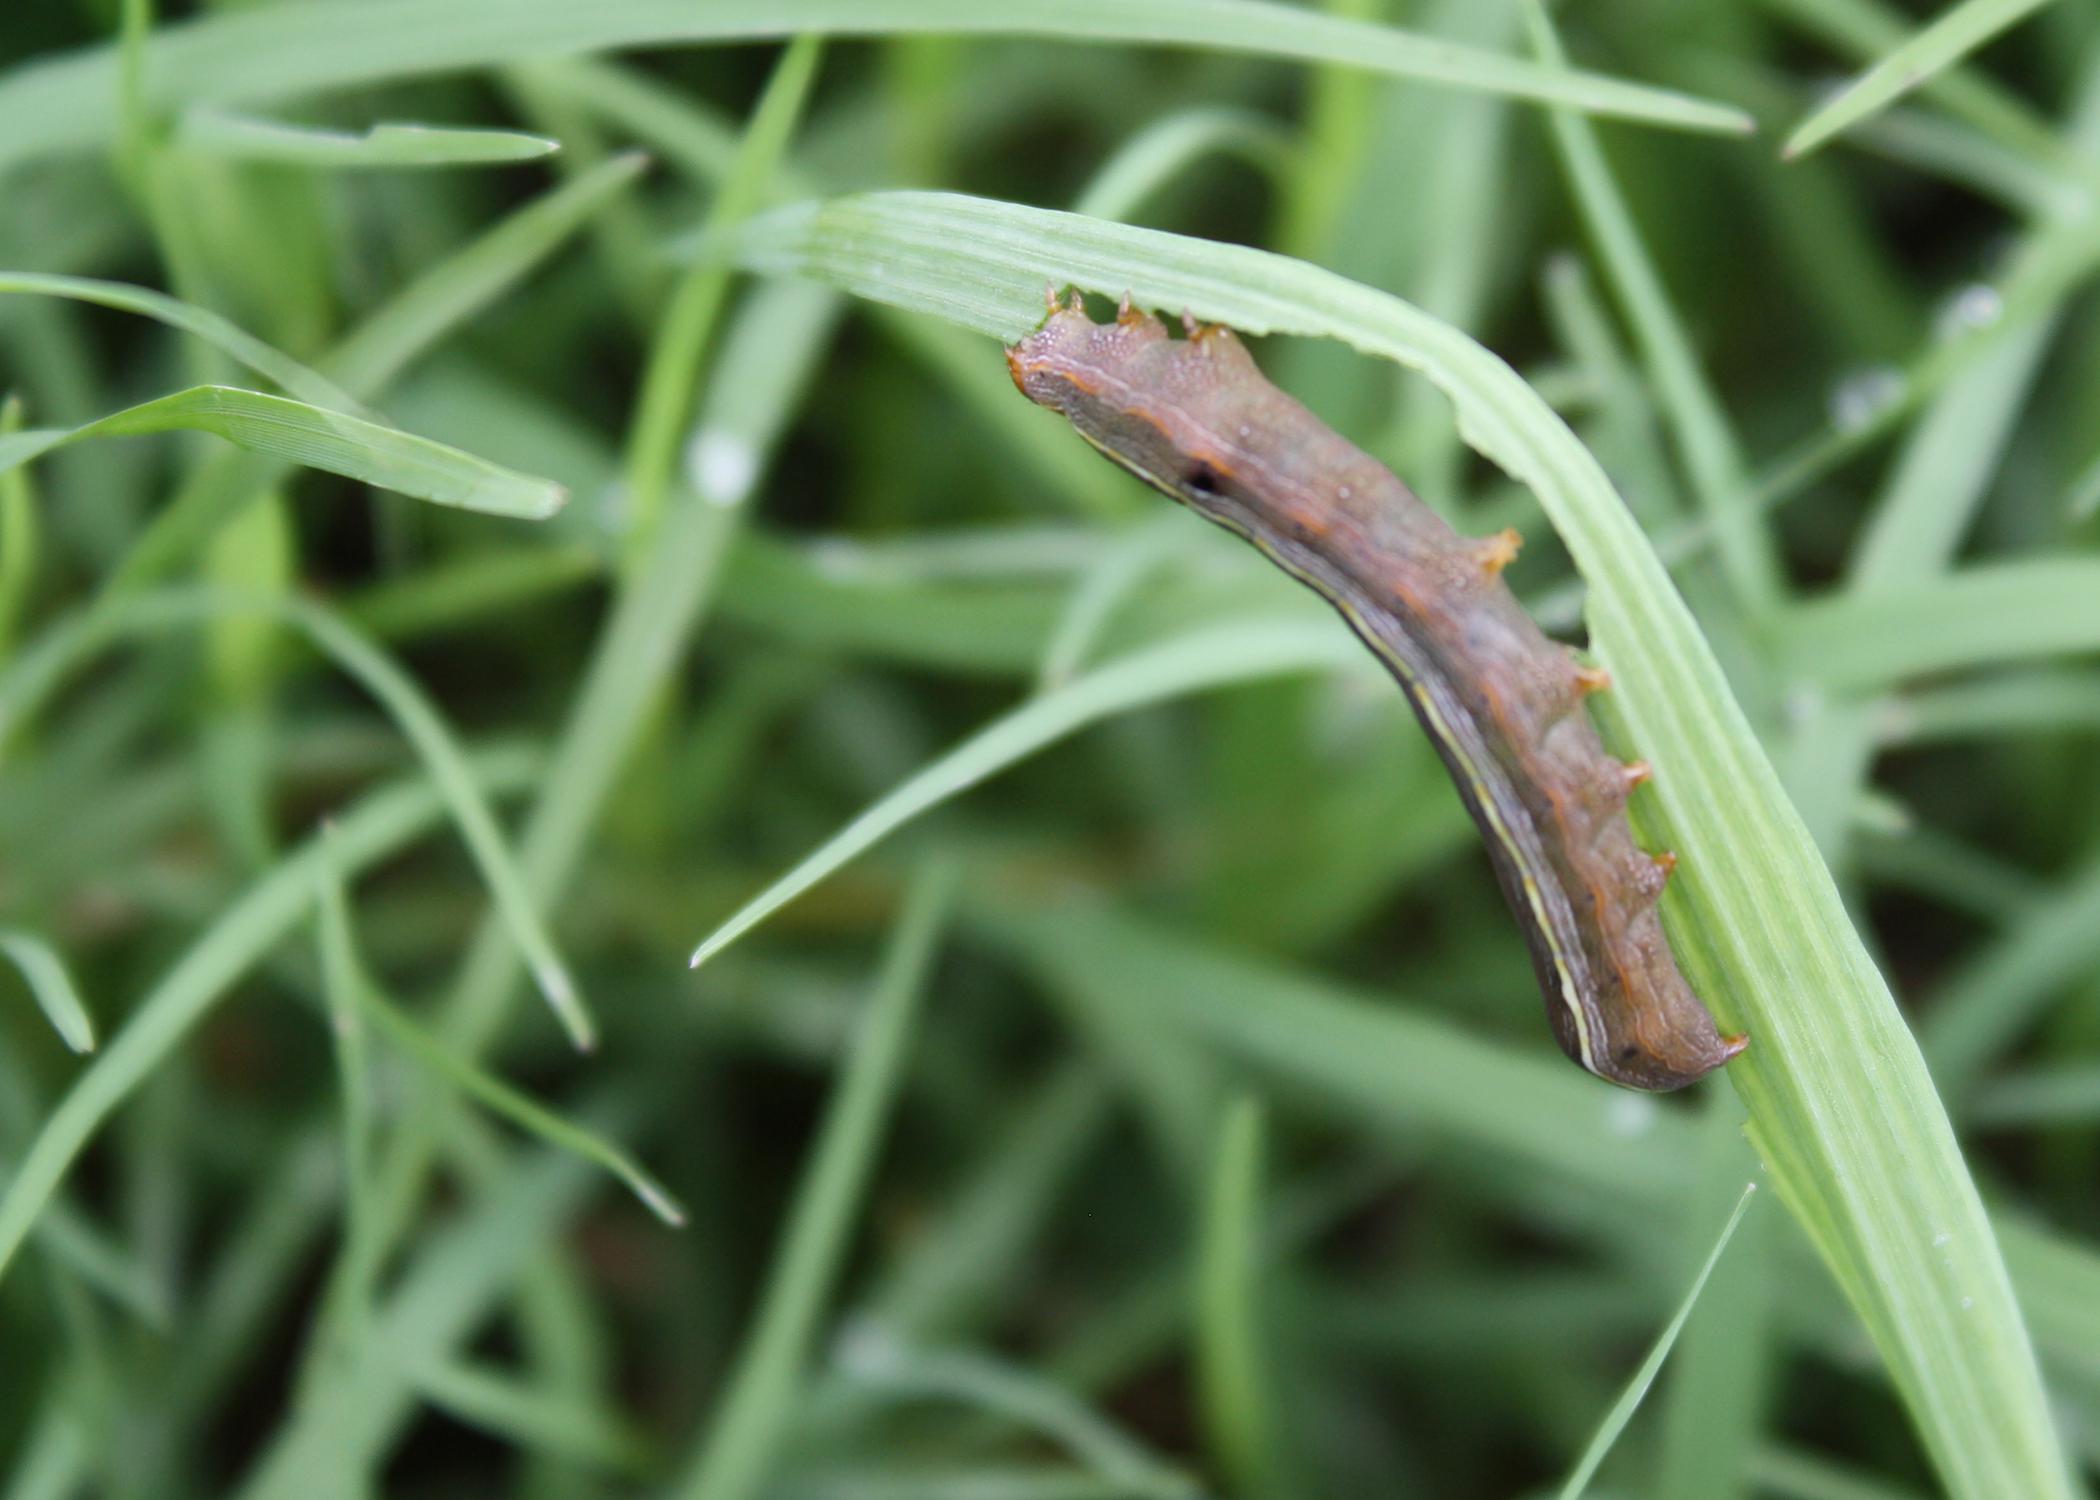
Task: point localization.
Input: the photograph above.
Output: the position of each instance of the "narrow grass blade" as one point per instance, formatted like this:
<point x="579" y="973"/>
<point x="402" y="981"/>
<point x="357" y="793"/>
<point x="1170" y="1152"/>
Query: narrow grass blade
<point x="20" y="531"/>
<point x="686" y="324"/>
<point x="1839" y="1099"/>
<point x="874" y="1361"/>
<point x="2005" y="703"/>
<point x="335" y="442"/>
<point x="1201" y="660"/>
<point x="51" y="986"/>
<point x="249" y="138"/>
<point x="532" y="1420"/>
<point x="746" y="1426"/>
<point x="221" y="333"/>
<point x="1952" y="35"/>
<point x="378" y="349"/>
<point x="1711" y="454"/>
<point x="286" y="51"/>
<point x="1630" y="1399"/>
<point x="523" y="1112"/>
<point x="1165" y="149"/>
<point x="64" y="650"/>
<point x="348" y="1303"/>
<point x="1992" y="612"/>
<point x="206" y="971"/>
<point x="1234" y="1368"/>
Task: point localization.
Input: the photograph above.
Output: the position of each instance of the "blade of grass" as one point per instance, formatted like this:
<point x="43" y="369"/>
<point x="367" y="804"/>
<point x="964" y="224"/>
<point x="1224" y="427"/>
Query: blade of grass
<point x="375" y="352"/>
<point x="1200" y="660"/>
<point x="770" y="351"/>
<point x="228" y="337"/>
<point x="663" y="407"/>
<point x="1839" y="1098"/>
<point x="1630" y="1399"/>
<point x="1992" y="612"/>
<point x="279" y="427"/>
<point x="1987" y="1003"/>
<point x="286" y="51"/>
<point x="19" y="530"/>
<point x="530" y="1419"/>
<point x="65" y="649"/>
<point x="1953" y="34"/>
<point x="1234" y="1368"/>
<point x="1163" y="150"/>
<point x="523" y="1112"/>
<point x="50" y="986"/>
<point x="746" y="1427"/>
<point x="1711" y="455"/>
<point x="346" y="1318"/>
<point x="872" y="1361"/>
<point x="248" y="929"/>
<point x="2005" y="703"/>
<point x="237" y="137"/>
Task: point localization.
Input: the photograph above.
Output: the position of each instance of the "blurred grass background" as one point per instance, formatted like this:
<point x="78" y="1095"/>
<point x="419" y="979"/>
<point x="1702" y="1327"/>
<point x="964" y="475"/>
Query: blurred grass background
<point x="1172" y="1114"/>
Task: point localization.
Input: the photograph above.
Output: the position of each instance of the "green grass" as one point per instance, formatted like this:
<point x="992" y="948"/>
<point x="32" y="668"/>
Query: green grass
<point x="494" y="492"/>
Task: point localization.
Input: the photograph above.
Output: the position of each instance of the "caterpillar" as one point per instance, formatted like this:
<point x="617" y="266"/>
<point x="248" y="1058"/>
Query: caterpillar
<point x="1502" y="702"/>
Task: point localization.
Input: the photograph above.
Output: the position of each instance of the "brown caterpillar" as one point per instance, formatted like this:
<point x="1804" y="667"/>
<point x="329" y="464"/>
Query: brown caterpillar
<point x="1502" y="703"/>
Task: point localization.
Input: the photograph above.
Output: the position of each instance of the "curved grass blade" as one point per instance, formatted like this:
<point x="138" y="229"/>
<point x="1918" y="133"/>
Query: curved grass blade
<point x="51" y="986"/>
<point x="1201" y="659"/>
<point x="67" y="648"/>
<point x="375" y="352"/>
<point x="228" y="337"/>
<point x="280" y="427"/>
<point x="1163" y="150"/>
<point x="1953" y="35"/>
<point x="525" y="1113"/>
<point x="1839" y="1099"/>
<point x="249" y="138"/>
<point x="375" y="828"/>
<point x="1637" y="1388"/>
<point x="744" y="1431"/>
<point x="285" y="51"/>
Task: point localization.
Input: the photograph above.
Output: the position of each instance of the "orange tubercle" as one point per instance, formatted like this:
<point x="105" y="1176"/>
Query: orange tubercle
<point x="1500" y="550"/>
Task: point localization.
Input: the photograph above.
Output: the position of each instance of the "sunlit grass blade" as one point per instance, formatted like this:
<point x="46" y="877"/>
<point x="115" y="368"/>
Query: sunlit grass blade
<point x="1839" y="1098"/>
<point x="1951" y="36"/>
<point x="292" y="377"/>
<point x="251" y="138"/>
<point x="1203" y="659"/>
<point x="1630" y="1399"/>
<point x="243" y="933"/>
<point x="745" y="1429"/>
<point x="283" y="52"/>
<point x="500" y="1098"/>
<point x="335" y="442"/>
<point x="51" y="987"/>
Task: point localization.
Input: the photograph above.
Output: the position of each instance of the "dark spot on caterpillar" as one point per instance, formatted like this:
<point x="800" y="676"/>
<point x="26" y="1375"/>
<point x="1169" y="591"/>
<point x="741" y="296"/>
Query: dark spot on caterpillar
<point x="1496" y="697"/>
